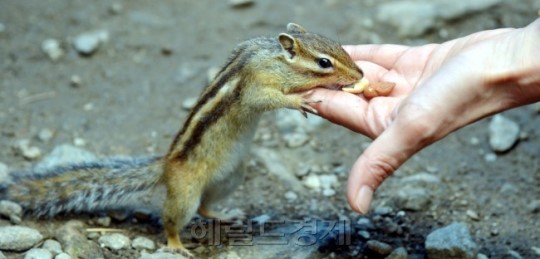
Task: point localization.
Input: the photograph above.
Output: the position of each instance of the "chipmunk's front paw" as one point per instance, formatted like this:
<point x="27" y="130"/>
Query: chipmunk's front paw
<point x="305" y="102"/>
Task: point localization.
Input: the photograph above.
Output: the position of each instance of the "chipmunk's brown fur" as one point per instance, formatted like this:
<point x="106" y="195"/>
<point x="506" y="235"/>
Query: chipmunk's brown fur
<point x="202" y="165"/>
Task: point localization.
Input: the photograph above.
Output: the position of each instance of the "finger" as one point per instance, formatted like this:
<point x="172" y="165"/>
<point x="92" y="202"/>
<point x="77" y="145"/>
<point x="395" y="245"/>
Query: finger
<point x="383" y="55"/>
<point x="341" y="108"/>
<point x="390" y="150"/>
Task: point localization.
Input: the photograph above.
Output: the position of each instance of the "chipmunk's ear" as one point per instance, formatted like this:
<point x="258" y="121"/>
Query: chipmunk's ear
<point x="289" y="44"/>
<point x="295" y="28"/>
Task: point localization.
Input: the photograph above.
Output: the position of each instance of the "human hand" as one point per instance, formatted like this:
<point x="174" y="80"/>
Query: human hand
<point x="439" y="89"/>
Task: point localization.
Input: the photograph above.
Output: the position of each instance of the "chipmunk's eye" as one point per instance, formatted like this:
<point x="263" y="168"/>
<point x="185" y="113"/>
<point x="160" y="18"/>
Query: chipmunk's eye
<point x="324" y="63"/>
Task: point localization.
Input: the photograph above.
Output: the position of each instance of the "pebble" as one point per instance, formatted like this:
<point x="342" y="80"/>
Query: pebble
<point x="75" y="243"/>
<point x="378" y="247"/>
<point x="52" y="48"/>
<point x="452" y="241"/>
<point x="328" y="192"/>
<point x="481" y="256"/>
<point x="114" y="241"/>
<point x="79" y="142"/>
<point x="11" y="210"/>
<point x="64" y="154"/>
<point x="398" y="253"/>
<point x="490" y="157"/>
<point x="189" y="103"/>
<point x="328" y="181"/>
<point x="291" y="196"/>
<point x="364" y="223"/>
<point x="75" y="81"/>
<point x="38" y="253"/>
<point x="382" y="210"/>
<point x="312" y="181"/>
<point x="116" y="8"/>
<point x="241" y="3"/>
<point x="18" y="238"/>
<point x="503" y="133"/>
<point x="296" y="139"/>
<point x="508" y="188"/>
<point x="364" y="234"/>
<point x="45" y="135"/>
<point x="514" y="254"/>
<point x="140" y="243"/>
<point x="104" y="221"/>
<point x="52" y="246"/>
<point x="536" y="250"/>
<point x="22" y="147"/>
<point x="88" y="43"/>
<point x="62" y="256"/>
<point x="534" y="206"/>
<point x="472" y="215"/>
<point x="413" y="198"/>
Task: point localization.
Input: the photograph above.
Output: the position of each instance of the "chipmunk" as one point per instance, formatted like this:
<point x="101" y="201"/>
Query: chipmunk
<point x="201" y="166"/>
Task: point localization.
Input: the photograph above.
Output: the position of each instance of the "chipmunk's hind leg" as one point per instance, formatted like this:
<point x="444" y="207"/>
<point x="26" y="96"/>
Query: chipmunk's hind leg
<point x="180" y="206"/>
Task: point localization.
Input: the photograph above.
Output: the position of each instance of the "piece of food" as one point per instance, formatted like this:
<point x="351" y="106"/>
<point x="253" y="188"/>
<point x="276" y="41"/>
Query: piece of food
<point x="370" y="90"/>
<point x="357" y="88"/>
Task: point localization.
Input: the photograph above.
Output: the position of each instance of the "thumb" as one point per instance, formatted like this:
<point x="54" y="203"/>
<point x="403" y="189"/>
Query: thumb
<point x="401" y="140"/>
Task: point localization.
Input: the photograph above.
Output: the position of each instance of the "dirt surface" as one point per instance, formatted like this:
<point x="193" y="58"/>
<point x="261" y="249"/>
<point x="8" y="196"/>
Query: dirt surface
<point x="129" y="102"/>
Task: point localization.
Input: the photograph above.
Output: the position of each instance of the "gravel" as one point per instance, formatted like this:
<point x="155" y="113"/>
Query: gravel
<point x="378" y="247"/>
<point x="412" y="198"/>
<point x="22" y="147"/>
<point x="74" y="241"/>
<point x="18" y="238"/>
<point x="52" y="48"/>
<point x="64" y="154"/>
<point x="52" y="246"/>
<point x="452" y="241"/>
<point x="398" y="253"/>
<point x="11" y="210"/>
<point x="141" y="243"/>
<point x="88" y="43"/>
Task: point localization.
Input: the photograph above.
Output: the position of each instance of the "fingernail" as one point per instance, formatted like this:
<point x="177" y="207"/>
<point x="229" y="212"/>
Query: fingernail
<point x="363" y="199"/>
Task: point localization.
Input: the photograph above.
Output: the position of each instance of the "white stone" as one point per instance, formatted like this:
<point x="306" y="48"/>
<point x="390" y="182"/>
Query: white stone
<point x="313" y="182"/>
<point x="52" y="48"/>
<point x="503" y="133"/>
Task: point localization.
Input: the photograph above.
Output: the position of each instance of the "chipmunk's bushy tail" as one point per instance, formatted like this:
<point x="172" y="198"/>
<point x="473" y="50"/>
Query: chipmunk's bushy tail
<point x="90" y="186"/>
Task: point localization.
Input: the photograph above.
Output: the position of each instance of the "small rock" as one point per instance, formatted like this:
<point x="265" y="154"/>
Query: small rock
<point x="291" y="196"/>
<point x="104" y="221"/>
<point x="328" y="181"/>
<point x="508" y="188"/>
<point x="140" y="243"/>
<point x="241" y="3"/>
<point x="38" y="253"/>
<point x="116" y="8"/>
<point x="328" y="192"/>
<point x="114" y="241"/>
<point x="472" y="215"/>
<point x="52" y="48"/>
<point x="452" y="241"/>
<point x="88" y="43"/>
<point x="18" y="238"/>
<point x="534" y="206"/>
<point x="364" y="234"/>
<point x="378" y="247"/>
<point x="536" y="250"/>
<point x="118" y="215"/>
<point x="62" y="256"/>
<point x="474" y="141"/>
<point x="64" y="154"/>
<point x="398" y="253"/>
<point x="490" y="157"/>
<point x="296" y="139"/>
<point x="364" y="223"/>
<point x="23" y="148"/>
<point x="189" y="103"/>
<point x="412" y="198"/>
<point x="45" y="135"/>
<point x="75" y="243"/>
<point x="185" y="72"/>
<point x="52" y="246"/>
<point x="161" y="255"/>
<point x="382" y="210"/>
<point x="79" y="142"/>
<point x="11" y="210"/>
<point x="75" y="81"/>
<point x="503" y="133"/>
<point x="312" y="181"/>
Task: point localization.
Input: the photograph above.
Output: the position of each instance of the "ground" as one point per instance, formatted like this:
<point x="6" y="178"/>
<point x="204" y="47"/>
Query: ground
<point x="131" y="92"/>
